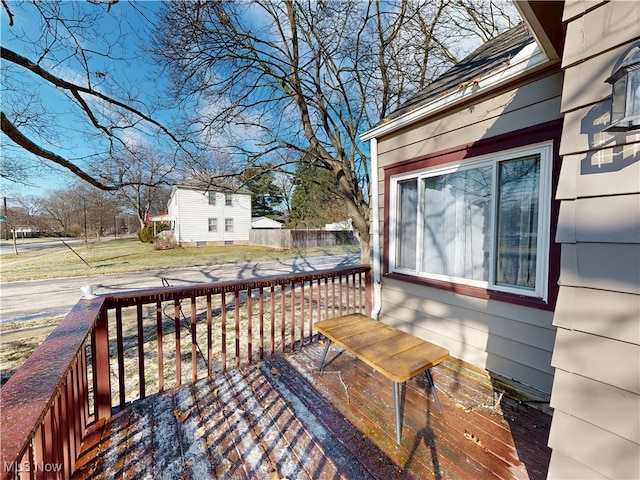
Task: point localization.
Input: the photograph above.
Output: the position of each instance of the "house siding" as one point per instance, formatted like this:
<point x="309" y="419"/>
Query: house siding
<point x="192" y="211"/>
<point x="506" y="338"/>
<point x="595" y="431"/>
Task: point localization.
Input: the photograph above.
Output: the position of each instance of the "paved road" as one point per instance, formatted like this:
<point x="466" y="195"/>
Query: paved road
<point x="7" y="247"/>
<point x="35" y="299"/>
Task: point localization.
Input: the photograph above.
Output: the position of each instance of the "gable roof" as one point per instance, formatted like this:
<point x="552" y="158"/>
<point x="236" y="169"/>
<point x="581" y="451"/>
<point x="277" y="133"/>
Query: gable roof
<point x="220" y="185"/>
<point x="492" y="55"/>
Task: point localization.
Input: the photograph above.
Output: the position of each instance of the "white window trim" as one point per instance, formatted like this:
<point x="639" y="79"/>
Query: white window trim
<point x="545" y="151"/>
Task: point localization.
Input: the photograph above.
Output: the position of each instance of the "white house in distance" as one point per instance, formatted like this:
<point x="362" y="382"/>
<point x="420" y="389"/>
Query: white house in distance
<point x="213" y="216"/>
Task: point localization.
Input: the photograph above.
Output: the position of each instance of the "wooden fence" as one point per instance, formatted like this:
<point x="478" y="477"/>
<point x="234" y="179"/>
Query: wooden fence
<point x="284" y="239"/>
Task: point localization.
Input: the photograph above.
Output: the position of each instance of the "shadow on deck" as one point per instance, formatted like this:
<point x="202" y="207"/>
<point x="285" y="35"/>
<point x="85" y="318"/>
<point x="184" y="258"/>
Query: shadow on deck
<point x="281" y="419"/>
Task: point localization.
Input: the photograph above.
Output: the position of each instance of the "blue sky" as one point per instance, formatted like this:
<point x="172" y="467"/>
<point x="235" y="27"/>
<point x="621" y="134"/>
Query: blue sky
<point x="130" y="70"/>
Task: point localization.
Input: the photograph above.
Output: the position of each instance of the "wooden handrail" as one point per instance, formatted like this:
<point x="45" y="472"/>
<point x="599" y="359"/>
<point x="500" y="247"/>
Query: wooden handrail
<point x="65" y="385"/>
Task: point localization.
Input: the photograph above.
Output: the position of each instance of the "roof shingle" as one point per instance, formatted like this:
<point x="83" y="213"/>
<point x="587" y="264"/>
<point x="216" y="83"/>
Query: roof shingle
<point x="494" y="54"/>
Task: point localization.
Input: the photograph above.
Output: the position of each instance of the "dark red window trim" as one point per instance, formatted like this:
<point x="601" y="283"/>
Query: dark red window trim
<point x="519" y="138"/>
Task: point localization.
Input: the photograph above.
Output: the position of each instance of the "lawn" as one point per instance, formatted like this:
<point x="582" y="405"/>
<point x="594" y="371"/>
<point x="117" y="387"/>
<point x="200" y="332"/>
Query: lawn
<point x="130" y="255"/>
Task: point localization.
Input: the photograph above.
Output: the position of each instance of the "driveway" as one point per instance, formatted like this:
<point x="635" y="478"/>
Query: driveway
<point x="36" y="299"/>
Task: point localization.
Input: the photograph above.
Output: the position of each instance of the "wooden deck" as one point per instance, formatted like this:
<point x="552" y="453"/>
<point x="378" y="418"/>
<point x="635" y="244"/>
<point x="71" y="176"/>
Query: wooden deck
<point x="282" y="419"/>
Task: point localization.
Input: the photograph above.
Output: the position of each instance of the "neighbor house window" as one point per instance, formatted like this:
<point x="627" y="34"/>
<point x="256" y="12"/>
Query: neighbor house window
<point x="227" y="199"/>
<point x="212" y="198"/>
<point x="482" y="222"/>
<point x="213" y="224"/>
<point x="228" y="224"/>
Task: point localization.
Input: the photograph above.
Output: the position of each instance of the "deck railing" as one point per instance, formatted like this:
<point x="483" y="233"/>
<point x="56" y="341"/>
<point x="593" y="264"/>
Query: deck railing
<point x="115" y="349"/>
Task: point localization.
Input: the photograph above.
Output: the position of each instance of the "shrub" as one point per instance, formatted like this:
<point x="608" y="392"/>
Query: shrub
<point x="146" y="234"/>
<point x="166" y="241"/>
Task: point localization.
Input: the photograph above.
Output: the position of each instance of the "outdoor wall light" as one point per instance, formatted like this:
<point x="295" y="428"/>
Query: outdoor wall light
<point x="625" y="102"/>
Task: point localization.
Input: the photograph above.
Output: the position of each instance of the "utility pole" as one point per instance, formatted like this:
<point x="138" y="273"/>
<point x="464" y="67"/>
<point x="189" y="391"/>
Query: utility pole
<point x="3" y="220"/>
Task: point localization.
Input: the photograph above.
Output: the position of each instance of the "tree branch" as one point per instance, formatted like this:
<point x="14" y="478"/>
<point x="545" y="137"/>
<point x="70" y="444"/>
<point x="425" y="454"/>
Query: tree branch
<point x="24" y="62"/>
<point x="16" y="136"/>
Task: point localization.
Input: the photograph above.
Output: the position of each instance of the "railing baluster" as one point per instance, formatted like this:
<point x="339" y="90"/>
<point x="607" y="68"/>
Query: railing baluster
<point x="293" y="316"/>
<point x="236" y="312"/>
<point x="63" y="457"/>
<point x="359" y="293"/>
<point x="49" y="436"/>
<point x="84" y="388"/>
<point x="310" y="320"/>
<point x="31" y="459"/>
<point x="348" y="289"/>
<point x="176" y="315"/>
<point x="120" y="349"/>
<point x="77" y="407"/>
<point x="141" y="373"/>
<point x="326" y="298"/>
<point x="194" y="340"/>
<point x="368" y="293"/>
<point x="319" y="300"/>
<point x="68" y="413"/>
<point x="261" y="313"/>
<point x="40" y="446"/>
<point x="100" y="364"/>
<point x="302" y="312"/>
<point x="159" y="341"/>
<point x="340" y="304"/>
<point x="282" y="318"/>
<point x="209" y="337"/>
<point x="273" y="319"/>
<point x="333" y="295"/>
<point x="223" y="331"/>
<point x="249" y="326"/>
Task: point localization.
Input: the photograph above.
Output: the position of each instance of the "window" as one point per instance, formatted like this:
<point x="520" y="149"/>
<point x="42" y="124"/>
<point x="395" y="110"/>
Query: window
<point x="227" y="199"/>
<point x="212" y="198"/>
<point x="482" y="222"/>
<point x="228" y="224"/>
<point x="213" y="224"/>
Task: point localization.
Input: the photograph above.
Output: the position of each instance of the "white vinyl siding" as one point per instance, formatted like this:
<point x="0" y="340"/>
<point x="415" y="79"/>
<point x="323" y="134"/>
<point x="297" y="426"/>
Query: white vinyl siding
<point x="193" y="216"/>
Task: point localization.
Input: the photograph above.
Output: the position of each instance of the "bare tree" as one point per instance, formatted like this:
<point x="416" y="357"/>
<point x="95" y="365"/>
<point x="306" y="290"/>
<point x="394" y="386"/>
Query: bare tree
<point x="307" y="76"/>
<point x="74" y="61"/>
<point x="144" y="175"/>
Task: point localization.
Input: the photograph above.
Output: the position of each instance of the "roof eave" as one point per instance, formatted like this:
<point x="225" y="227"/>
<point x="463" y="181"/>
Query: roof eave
<point x="544" y="20"/>
<point x="528" y="60"/>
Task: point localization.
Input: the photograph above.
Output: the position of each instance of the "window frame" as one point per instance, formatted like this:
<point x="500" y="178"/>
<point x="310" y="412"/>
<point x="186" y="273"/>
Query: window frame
<point x="212" y="198"/>
<point x="545" y="151"/>
<point x="228" y="200"/>
<point x="228" y="225"/>
<point x="215" y="220"/>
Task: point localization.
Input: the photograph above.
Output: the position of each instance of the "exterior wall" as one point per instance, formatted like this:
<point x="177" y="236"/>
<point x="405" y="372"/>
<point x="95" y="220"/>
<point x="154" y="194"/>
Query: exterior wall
<point x="595" y="431"/>
<point x="515" y="340"/>
<point x="192" y="211"/>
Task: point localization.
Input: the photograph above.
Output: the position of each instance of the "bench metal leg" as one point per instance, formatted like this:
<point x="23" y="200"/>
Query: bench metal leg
<point x="324" y="355"/>
<point x="432" y="386"/>
<point x="396" y="402"/>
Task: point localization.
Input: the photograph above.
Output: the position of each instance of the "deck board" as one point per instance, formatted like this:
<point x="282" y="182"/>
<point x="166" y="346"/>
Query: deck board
<point x="281" y="418"/>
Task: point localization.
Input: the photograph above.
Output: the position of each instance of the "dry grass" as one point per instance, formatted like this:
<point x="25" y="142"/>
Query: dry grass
<point x="130" y="255"/>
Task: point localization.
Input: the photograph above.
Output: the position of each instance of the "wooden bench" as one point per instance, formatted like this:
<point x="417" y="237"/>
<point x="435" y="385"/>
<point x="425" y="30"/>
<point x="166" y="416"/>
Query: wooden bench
<point x="397" y="355"/>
